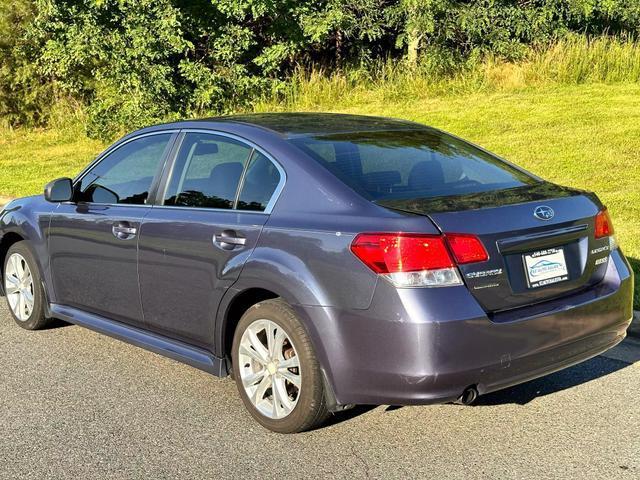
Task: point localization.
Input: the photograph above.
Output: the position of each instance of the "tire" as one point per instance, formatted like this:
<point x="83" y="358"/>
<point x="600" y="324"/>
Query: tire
<point x="301" y="408"/>
<point x="33" y="317"/>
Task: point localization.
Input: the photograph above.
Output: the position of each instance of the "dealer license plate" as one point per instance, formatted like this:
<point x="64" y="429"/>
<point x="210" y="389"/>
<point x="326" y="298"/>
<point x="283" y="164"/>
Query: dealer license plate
<point x="545" y="267"/>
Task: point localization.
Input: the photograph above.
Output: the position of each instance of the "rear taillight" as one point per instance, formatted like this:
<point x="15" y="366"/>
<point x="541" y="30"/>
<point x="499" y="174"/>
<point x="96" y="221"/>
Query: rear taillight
<point x="467" y="248"/>
<point x="417" y="260"/>
<point x="604" y="227"/>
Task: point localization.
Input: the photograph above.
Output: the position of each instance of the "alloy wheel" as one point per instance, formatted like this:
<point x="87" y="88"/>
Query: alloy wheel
<point x="269" y="368"/>
<point x="19" y="288"/>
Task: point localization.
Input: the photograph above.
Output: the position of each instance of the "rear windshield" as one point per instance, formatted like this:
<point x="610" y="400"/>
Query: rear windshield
<point x="410" y="164"/>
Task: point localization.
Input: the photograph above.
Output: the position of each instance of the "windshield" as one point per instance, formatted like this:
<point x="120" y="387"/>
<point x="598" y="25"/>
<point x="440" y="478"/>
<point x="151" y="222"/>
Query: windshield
<point x="407" y="164"/>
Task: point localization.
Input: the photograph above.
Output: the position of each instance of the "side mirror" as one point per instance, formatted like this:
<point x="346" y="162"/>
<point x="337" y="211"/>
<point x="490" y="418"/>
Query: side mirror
<point x="60" y="190"/>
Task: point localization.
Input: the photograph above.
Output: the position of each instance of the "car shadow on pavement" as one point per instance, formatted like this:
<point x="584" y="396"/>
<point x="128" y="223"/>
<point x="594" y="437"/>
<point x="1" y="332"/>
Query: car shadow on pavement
<point x="56" y="323"/>
<point x="577" y="375"/>
<point x="347" y="415"/>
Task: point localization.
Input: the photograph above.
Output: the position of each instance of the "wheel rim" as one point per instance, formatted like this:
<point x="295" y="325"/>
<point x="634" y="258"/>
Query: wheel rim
<point x="18" y="286"/>
<point x="269" y="369"/>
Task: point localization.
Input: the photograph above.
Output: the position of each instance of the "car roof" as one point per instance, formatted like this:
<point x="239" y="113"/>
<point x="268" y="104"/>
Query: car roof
<point x="296" y="124"/>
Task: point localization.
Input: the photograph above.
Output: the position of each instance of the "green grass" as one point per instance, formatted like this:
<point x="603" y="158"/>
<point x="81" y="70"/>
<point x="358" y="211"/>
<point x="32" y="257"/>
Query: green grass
<point x="586" y="136"/>
<point x="30" y="158"/>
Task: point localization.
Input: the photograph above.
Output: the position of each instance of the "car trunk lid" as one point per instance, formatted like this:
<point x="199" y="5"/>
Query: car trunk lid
<point x="531" y="258"/>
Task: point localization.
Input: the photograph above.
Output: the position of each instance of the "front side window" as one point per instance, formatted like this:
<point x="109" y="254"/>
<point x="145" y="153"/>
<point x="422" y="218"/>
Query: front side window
<point x="406" y="164"/>
<point x="125" y="175"/>
<point x="207" y="172"/>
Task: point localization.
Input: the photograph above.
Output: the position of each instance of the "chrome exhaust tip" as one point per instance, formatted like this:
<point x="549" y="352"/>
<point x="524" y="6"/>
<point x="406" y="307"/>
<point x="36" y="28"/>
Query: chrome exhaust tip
<point x="469" y="396"/>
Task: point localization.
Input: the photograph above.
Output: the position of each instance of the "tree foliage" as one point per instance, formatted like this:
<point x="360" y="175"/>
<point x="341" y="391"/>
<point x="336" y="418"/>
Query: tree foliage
<point x="134" y="62"/>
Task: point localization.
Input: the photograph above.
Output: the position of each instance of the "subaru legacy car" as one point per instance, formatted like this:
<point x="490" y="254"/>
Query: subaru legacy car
<point x="323" y="261"/>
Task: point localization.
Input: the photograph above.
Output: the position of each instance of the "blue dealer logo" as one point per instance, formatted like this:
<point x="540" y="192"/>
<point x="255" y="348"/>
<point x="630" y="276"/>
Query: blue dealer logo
<point x="543" y="267"/>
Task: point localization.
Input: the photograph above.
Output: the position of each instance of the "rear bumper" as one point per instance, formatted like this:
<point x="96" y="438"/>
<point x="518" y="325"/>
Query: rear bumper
<point x="421" y="346"/>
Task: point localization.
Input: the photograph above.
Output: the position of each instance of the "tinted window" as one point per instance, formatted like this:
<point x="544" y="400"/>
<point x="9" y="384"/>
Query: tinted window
<point x="126" y="174"/>
<point x="207" y="172"/>
<point x="410" y="164"/>
<point x="260" y="183"/>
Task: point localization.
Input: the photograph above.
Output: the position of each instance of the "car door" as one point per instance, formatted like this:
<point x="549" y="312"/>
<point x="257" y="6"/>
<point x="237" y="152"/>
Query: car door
<point x="93" y="240"/>
<point x="193" y="246"/>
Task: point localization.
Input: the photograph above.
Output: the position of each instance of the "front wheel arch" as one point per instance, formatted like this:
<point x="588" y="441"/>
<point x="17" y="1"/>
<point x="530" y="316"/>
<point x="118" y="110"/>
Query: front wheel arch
<point x="8" y="240"/>
<point x="38" y="317"/>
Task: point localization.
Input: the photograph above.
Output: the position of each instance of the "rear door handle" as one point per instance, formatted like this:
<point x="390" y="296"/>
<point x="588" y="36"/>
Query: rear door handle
<point x="228" y="240"/>
<point x="124" y="231"/>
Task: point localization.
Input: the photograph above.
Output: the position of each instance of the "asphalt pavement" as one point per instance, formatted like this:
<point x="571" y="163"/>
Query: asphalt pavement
<point x="76" y="404"/>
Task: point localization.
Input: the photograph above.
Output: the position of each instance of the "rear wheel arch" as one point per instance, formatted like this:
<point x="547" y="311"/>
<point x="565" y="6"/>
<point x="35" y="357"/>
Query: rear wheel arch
<point x="240" y="303"/>
<point x="246" y="299"/>
<point x="260" y="375"/>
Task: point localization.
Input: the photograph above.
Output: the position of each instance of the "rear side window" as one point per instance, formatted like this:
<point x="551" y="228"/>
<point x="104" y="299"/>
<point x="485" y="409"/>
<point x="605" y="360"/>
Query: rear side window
<point x="260" y="183"/>
<point x="207" y="172"/>
<point x="410" y="164"/>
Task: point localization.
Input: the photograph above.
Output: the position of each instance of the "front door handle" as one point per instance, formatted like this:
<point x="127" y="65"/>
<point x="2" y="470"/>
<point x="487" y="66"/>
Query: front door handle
<point x="124" y="231"/>
<point x="228" y="240"/>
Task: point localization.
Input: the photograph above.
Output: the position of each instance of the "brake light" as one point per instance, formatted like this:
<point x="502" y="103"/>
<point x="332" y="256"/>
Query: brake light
<point x="467" y="248"/>
<point x="417" y="260"/>
<point x="604" y="227"/>
<point x="400" y="252"/>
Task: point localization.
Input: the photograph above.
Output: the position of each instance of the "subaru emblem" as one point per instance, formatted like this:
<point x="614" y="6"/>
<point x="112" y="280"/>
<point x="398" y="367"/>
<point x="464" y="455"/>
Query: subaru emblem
<point x="543" y="212"/>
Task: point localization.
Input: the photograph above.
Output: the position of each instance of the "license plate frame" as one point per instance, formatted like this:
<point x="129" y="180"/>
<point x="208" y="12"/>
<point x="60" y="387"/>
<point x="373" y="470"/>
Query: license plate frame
<point x="545" y="267"/>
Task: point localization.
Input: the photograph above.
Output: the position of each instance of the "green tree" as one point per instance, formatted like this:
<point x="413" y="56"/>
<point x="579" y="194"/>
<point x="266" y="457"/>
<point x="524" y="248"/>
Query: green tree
<point x="120" y="57"/>
<point x="346" y="29"/>
<point x="135" y="62"/>
<point x="24" y="93"/>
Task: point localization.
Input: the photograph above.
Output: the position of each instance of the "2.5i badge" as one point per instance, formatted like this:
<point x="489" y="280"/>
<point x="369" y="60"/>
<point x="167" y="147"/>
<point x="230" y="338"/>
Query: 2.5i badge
<point x="545" y="267"/>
